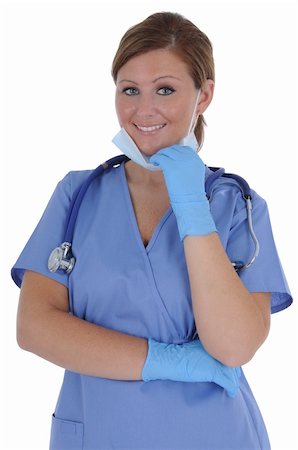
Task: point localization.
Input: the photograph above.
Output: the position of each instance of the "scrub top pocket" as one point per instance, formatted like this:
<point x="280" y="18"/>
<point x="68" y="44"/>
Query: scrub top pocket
<point x="118" y="284"/>
<point x="66" y="434"/>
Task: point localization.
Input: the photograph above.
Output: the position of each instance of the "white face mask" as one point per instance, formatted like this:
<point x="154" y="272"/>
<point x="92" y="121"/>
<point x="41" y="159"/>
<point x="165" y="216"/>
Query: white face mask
<point x="127" y="145"/>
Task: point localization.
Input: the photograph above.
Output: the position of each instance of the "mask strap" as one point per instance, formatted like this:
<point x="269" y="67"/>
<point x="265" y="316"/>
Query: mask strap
<point x="193" y="122"/>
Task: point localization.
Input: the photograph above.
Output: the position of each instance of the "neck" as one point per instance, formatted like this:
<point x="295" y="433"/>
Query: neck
<point x="138" y="175"/>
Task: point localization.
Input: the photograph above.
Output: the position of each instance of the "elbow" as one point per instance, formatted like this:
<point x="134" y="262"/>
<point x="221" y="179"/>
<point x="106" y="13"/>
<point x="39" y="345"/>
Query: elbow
<point x="236" y="360"/>
<point x="237" y="351"/>
<point x="21" y="337"/>
<point x="230" y="356"/>
<point x="237" y="355"/>
<point x="28" y="327"/>
<point x="25" y="333"/>
<point x="242" y="355"/>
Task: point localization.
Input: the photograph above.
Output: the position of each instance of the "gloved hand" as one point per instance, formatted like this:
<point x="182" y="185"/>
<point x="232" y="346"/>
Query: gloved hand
<point x="188" y="362"/>
<point x="184" y="174"/>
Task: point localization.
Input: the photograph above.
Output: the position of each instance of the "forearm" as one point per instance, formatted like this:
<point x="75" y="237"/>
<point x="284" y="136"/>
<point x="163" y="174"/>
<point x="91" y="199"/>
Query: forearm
<point x="229" y="323"/>
<point x="84" y="347"/>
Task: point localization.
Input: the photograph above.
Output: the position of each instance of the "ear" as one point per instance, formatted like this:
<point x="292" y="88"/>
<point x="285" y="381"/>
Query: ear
<point x="207" y="91"/>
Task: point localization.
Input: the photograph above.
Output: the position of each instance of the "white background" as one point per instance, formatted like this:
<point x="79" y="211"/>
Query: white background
<point x="57" y="114"/>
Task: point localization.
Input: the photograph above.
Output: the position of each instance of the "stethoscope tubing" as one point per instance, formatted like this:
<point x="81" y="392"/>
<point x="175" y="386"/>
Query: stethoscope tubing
<point x="62" y="257"/>
<point x="80" y="193"/>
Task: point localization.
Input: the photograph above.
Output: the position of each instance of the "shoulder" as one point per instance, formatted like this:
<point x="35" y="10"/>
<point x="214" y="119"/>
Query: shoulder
<point x="72" y="180"/>
<point x="228" y="189"/>
<point x="228" y="205"/>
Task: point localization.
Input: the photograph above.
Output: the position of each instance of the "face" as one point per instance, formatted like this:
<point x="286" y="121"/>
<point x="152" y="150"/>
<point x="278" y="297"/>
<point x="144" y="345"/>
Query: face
<point x="155" y="99"/>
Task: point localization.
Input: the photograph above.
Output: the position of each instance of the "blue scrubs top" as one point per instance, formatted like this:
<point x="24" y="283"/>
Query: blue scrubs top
<point x="120" y="284"/>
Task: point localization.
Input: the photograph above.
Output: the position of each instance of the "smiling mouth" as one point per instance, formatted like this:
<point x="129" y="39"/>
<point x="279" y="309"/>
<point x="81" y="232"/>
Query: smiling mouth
<point x="150" y="129"/>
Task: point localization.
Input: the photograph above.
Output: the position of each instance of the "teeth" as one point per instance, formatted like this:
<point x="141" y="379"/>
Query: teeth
<point x="153" y="128"/>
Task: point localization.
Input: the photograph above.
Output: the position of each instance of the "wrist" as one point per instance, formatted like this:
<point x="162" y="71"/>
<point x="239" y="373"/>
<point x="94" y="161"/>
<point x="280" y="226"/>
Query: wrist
<point x="164" y="362"/>
<point x="193" y="218"/>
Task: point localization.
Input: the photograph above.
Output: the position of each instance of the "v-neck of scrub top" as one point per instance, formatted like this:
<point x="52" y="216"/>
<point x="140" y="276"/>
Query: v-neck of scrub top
<point x="133" y="218"/>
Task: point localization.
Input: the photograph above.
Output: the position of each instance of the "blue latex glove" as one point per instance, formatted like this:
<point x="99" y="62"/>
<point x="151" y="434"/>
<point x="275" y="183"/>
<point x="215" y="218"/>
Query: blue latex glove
<point x="188" y="362"/>
<point x="184" y="174"/>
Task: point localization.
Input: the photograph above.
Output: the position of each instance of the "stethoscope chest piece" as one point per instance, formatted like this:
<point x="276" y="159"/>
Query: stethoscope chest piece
<point x="61" y="258"/>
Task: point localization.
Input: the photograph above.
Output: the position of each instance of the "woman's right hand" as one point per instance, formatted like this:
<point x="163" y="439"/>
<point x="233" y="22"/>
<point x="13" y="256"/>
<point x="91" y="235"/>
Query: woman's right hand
<point x="188" y="362"/>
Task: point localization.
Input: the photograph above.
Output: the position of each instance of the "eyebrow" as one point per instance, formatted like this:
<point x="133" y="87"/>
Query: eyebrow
<point x="154" y="81"/>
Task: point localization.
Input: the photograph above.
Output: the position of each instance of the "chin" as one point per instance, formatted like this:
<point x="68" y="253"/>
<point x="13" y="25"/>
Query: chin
<point x="151" y="150"/>
<point x="148" y="151"/>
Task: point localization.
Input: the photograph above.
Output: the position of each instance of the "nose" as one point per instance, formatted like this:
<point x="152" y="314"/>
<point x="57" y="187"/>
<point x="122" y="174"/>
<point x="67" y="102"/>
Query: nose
<point x="146" y="106"/>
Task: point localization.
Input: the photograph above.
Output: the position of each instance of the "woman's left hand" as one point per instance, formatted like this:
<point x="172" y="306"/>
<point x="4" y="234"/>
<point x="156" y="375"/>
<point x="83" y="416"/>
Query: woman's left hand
<point x="184" y="173"/>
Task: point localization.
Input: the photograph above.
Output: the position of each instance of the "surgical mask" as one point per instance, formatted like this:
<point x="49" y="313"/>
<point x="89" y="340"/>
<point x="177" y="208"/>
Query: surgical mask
<point x="127" y="145"/>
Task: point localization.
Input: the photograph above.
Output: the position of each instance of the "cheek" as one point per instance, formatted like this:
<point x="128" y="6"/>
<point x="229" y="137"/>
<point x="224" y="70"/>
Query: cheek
<point x="178" y="113"/>
<point x="124" y="110"/>
<point x="186" y="117"/>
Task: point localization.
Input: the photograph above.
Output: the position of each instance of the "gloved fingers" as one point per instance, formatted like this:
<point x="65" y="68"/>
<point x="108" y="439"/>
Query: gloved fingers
<point x="224" y="376"/>
<point x="228" y="379"/>
<point x="177" y="154"/>
<point x="183" y="169"/>
<point x="232" y="391"/>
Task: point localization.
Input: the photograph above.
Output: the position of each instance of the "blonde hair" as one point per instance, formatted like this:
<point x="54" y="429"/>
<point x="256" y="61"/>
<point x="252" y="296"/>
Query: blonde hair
<point x="166" y="30"/>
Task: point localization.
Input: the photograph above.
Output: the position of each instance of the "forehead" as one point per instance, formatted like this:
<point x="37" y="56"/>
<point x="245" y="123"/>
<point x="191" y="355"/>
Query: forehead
<point x="154" y="64"/>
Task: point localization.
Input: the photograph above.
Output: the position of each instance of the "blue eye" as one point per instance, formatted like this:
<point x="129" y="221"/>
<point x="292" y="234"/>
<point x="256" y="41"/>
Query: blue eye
<point x="165" y="91"/>
<point x="130" y="91"/>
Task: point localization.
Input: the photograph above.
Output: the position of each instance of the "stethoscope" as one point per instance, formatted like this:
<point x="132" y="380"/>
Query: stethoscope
<point x="61" y="258"/>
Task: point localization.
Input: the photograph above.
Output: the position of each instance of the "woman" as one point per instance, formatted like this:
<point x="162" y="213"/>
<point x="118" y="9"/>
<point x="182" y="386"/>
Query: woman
<point x="153" y="266"/>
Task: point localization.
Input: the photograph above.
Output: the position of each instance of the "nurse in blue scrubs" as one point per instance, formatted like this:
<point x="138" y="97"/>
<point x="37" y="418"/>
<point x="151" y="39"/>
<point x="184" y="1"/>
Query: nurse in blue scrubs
<point x="153" y="271"/>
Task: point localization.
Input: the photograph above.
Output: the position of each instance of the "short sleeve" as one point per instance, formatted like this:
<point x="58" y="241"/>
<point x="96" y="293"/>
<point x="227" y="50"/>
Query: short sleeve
<point x="48" y="234"/>
<point x="266" y="273"/>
